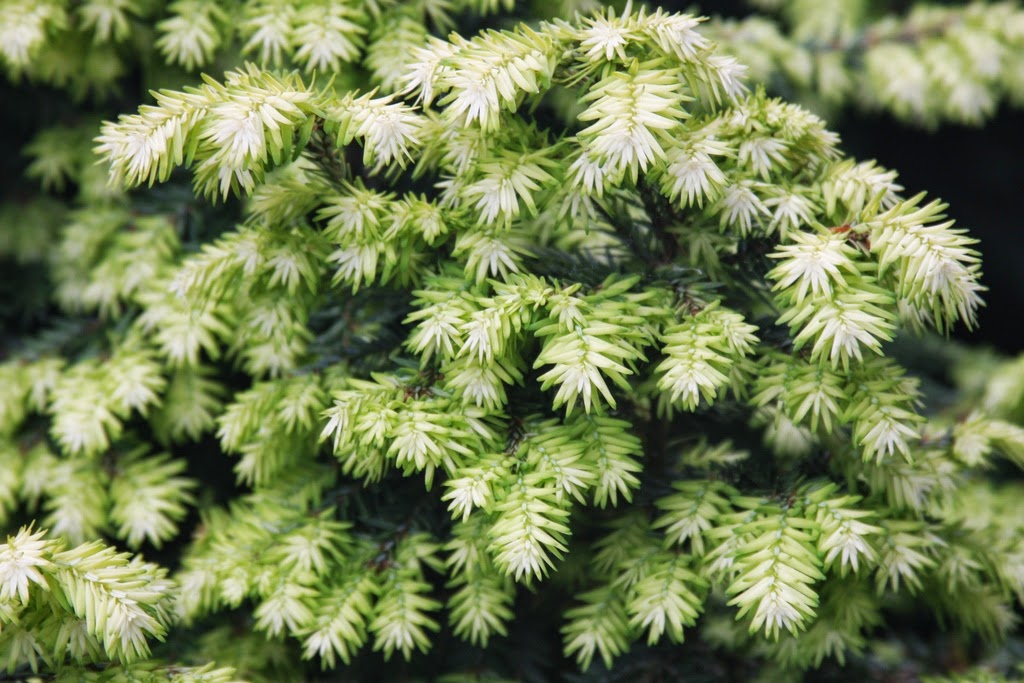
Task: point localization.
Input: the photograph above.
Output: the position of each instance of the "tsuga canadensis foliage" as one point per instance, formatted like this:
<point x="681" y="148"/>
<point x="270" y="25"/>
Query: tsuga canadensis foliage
<point x="564" y="350"/>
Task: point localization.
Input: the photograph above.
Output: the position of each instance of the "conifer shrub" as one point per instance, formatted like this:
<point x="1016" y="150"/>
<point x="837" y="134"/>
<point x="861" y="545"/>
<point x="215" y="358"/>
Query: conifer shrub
<point x="564" y="350"/>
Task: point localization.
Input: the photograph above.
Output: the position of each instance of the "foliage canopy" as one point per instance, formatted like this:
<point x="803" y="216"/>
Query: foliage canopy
<point x="564" y="327"/>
